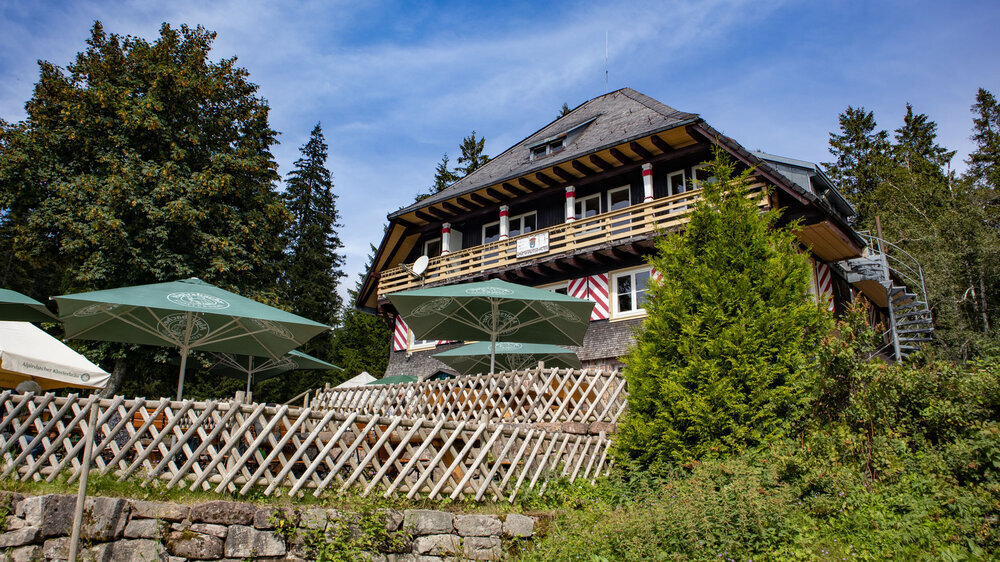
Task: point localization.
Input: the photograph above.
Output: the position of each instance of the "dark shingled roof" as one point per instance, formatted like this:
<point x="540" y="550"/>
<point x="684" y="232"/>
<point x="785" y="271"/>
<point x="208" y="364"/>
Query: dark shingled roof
<point x="621" y="116"/>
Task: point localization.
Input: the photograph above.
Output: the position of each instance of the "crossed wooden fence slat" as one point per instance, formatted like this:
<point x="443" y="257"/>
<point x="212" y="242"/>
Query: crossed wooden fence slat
<point x="530" y="396"/>
<point x="226" y="446"/>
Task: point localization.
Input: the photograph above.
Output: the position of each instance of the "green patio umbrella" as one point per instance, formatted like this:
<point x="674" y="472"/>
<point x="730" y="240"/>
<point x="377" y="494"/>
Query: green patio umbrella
<point x="263" y="368"/>
<point x="494" y="311"/>
<point x="189" y="315"/>
<point x="394" y="379"/>
<point x="16" y="307"/>
<point x="510" y="356"/>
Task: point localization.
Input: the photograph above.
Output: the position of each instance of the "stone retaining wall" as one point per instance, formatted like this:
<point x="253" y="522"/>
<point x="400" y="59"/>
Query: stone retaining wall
<point x="115" y="529"/>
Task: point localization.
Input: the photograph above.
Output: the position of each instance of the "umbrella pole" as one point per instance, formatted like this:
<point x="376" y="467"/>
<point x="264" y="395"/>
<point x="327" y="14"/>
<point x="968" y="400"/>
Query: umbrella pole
<point x="81" y="496"/>
<point x="493" y="354"/>
<point x="495" y="305"/>
<point x="180" y="377"/>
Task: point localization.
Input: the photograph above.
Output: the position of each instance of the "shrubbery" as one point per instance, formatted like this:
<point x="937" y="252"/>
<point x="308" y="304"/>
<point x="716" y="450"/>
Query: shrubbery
<point x="889" y="462"/>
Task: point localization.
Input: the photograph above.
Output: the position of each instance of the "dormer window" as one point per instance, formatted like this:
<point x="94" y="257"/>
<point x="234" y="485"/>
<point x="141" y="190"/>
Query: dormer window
<point x="547" y="148"/>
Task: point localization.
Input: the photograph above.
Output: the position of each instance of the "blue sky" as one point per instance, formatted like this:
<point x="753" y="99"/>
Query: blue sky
<point x="398" y="84"/>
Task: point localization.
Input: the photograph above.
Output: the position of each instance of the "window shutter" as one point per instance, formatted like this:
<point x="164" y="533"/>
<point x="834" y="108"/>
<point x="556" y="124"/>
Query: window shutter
<point x="824" y="282"/>
<point x="598" y="292"/>
<point x="399" y="335"/>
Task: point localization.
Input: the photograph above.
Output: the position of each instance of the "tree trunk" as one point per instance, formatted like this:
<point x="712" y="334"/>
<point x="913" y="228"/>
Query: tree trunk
<point x="115" y="382"/>
<point x="982" y="296"/>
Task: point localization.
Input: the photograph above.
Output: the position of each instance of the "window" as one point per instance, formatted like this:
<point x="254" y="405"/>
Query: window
<point x="562" y="287"/>
<point x="432" y="248"/>
<point x="418" y="345"/>
<point x="630" y="292"/>
<point x="619" y="198"/>
<point x="676" y="182"/>
<point x="521" y="224"/>
<point x="548" y="147"/>
<point x="588" y="206"/>
<point x="701" y="173"/>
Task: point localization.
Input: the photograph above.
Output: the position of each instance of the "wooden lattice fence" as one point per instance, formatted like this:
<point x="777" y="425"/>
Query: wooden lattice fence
<point x="531" y="396"/>
<point x="228" y="446"/>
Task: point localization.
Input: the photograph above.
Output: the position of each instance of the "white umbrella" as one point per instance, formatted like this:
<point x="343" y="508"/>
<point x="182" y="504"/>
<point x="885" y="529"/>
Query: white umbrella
<point x="29" y="353"/>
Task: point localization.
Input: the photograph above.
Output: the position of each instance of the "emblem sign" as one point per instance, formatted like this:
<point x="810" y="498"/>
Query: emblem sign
<point x="489" y="292"/>
<point x="197" y="300"/>
<point x="175" y="326"/>
<point x="532" y="245"/>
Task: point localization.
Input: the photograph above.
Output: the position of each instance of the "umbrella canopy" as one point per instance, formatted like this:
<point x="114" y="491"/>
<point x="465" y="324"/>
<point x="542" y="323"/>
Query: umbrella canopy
<point x="22" y="308"/>
<point x="28" y="353"/>
<point x="263" y="368"/>
<point x="395" y="379"/>
<point x="510" y="356"/>
<point x="188" y="314"/>
<point x="358" y="380"/>
<point x="494" y="311"/>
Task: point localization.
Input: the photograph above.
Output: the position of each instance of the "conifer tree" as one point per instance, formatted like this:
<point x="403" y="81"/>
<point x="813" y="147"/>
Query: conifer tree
<point x="916" y="145"/>
<point x="473" y="155"/>
<point x="722" y="357"/>
<point x="564" y="110"/>
<point x="361" y="342"/>
<point x="984" y="162"/>
<point x="313" y="269"/>
<point x="443" y="177"/>
<point x="859" y="151"/>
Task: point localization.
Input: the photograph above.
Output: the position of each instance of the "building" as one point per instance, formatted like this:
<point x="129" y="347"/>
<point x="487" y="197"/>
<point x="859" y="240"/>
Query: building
<point x="575" y="208"/>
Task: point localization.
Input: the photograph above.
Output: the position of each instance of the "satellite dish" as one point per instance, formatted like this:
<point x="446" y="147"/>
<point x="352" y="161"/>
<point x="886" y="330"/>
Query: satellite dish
<point x="420" y="266"/>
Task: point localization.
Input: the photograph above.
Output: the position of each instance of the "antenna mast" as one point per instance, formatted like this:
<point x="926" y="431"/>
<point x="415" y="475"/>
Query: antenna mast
<point x="606" y="89"/>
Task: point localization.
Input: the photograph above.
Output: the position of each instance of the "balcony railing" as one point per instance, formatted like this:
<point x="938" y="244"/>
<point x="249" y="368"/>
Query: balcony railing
<point x="634" y="222"/>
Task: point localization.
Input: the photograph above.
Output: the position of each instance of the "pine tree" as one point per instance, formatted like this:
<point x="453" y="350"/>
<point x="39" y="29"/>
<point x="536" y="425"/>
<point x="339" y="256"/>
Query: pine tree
<point x="361" y="342"/>
<point x="723" y="355"/>
<point x="443" y="177"/>
<point x="859" y="152"/>
<point x="984" y="162"/>
<point x="916" y="146"/>
<point x="313" y="269"/>
<point x="473" y="155"/>
<point x="564" y="110"/>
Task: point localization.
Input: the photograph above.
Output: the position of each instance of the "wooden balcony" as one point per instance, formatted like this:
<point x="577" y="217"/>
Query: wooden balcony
<point x="637" y="222"/>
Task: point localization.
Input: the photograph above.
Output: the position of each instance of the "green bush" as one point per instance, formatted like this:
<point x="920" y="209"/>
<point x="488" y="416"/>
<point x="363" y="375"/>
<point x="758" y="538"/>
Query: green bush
<point x="719" y="363"/>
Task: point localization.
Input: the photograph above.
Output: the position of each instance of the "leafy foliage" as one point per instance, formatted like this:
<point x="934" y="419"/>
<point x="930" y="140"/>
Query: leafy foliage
<point x="722" y="357"/>
<point x="859" y="151"/>
<point x="141" y="162"/>
<point x="362" y="341"/>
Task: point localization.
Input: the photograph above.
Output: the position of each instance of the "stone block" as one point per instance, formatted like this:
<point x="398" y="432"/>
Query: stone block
<point x="393" y="519"/>
<point x="517" y="525"/>
<point x="195" y="546"/>
<point x="145" y="529"/>
<point x="10" y="500"/>
<point x="576" y="428"/>
<point x="317" y="518"/>
<point x="477" y="525"/>
<point x="607" y="427"/>
<point x="438" y="545"/>
<point x="52" y="514"/>
<point x="139" y="550"/>
<point x="31" y="553"/>
<point x="265" y="516"/>
<point x="210" y="529"/>
<point x="482" y="548"/>
<point x="23" y="536"/>
<point x="548" y="426"/>
<point x="176" y="559"/>
<point x="159" y="510"/>
<point x="244" y="541"/>
<point x="223" y="513"/>
<point x="15" y="523"/>
<point x="428" y="522"/>
<point x="104" y="519"/>
<point x="56" y="549"/>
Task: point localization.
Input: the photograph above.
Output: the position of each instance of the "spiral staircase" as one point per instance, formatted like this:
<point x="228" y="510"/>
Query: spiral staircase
<point x="900" y="275"/>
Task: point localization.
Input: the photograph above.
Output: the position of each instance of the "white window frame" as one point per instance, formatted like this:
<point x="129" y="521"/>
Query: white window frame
<point x="671" y="188"/>
<point x="627" y="189"/>
<point x="510" y="221"/>
<point x="431" y="241"/>
<point x="581" y="200"/>
<point x="694" y="173"/>
<point x="418" y="345"/>
<point x="556" y="286"/>
<point x="613" y="292"/>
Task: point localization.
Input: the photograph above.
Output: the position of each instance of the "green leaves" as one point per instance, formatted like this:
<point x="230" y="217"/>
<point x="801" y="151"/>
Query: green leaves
<point x="728" y="335"/>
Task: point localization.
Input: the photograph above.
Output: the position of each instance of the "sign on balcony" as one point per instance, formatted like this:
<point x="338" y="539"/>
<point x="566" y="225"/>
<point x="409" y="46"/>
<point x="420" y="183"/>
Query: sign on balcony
<point x="534" y="244"/>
